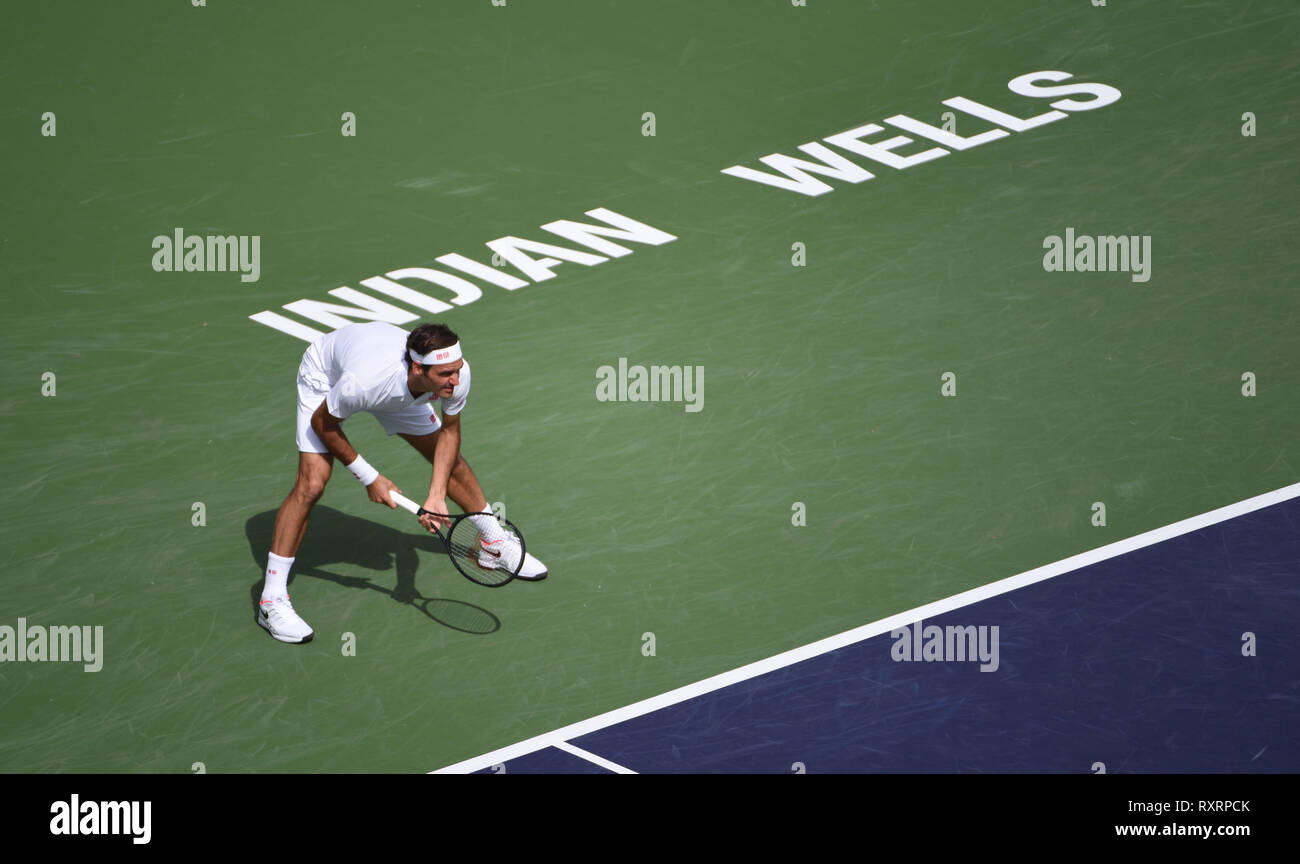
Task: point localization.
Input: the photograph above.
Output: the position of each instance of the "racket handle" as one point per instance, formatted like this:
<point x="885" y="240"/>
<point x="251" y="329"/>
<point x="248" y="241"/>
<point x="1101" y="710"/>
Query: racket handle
<point x="402" y="501"/>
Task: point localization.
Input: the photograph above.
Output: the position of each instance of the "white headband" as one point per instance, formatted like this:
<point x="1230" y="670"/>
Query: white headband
<point x="450" y="354"/>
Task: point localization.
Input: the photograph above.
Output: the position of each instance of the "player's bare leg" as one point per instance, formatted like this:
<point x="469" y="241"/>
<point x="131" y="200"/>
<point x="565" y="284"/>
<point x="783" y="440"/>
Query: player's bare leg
<point x="275" y="612"/>
<point x="291" y="522"/>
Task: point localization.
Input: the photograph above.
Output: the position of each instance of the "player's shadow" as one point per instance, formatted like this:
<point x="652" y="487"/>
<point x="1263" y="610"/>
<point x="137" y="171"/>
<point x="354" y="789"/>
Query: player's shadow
<point x="337" y="538"/>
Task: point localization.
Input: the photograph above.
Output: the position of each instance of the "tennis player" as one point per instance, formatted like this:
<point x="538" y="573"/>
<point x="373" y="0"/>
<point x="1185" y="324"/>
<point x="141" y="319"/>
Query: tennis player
<point x="379" y="368"/>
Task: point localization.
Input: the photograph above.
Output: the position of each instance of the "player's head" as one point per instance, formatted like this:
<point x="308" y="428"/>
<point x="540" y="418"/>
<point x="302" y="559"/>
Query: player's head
<point x="426" y="342"/>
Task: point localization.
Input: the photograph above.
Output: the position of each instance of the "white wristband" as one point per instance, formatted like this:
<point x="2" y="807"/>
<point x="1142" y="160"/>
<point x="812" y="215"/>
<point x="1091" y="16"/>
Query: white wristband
<point x="362" y="470"/>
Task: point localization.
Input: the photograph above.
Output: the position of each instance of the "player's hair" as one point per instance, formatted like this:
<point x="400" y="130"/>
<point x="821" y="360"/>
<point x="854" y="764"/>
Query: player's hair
<point x="427" y="337"/>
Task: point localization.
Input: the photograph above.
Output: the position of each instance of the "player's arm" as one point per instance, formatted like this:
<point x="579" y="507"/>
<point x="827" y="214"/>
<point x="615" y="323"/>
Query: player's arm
<point x="330" y="430"/>
<point x="446" y="449"/>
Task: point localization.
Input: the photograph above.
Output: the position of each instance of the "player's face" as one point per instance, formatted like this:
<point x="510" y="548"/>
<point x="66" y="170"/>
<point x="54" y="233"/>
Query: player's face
<point x="443" y="378"/>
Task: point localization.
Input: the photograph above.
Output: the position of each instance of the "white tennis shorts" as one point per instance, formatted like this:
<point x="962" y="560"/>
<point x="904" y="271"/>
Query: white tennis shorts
<point x="314" y="386"/>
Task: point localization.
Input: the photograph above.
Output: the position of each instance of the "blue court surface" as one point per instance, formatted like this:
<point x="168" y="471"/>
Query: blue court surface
<point x="1132" y="658"/>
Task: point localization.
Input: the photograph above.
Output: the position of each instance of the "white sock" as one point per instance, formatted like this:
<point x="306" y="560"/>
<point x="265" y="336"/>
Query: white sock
<point x="277" y="576"/>
<point x="488" y="526"/>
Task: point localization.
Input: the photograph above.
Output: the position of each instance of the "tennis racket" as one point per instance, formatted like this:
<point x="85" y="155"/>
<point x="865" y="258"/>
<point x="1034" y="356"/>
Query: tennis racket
<point x="488" y="560"/>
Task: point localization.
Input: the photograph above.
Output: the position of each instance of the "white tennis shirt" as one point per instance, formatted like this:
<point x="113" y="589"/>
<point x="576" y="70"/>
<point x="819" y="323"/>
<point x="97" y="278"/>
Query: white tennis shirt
<point x="365" y="372"/>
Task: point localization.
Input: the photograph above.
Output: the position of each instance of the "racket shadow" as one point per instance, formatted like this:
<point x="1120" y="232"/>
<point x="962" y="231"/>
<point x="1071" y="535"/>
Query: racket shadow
<point x="335" y="538"/>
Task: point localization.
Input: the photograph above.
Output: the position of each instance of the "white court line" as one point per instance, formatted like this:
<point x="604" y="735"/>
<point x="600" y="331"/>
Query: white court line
<point x="867" y="631"/>
<point x="592" y="757"/>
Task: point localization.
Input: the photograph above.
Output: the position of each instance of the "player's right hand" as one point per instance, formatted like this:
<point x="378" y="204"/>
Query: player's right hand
<point x="378" y="491"/>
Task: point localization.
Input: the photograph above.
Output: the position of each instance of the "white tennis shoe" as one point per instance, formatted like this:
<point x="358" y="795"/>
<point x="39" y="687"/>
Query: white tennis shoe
<point x="279" y="619"/>
<point x="504" y="553"/>
<point x="533" y="570"/>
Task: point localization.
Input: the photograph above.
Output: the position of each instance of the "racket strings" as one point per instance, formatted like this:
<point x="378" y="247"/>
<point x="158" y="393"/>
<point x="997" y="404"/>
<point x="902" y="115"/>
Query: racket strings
<point x="492" y="563"/>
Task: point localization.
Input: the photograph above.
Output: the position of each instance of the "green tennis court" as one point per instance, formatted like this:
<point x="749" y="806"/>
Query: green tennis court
<point x="894" y="400"/>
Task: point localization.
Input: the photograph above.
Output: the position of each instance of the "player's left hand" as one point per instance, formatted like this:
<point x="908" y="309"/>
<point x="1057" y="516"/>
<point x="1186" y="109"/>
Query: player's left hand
<point x="438" y="505"/>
